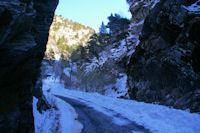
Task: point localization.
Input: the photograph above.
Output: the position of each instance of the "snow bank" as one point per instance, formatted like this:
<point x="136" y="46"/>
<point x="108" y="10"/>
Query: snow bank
<point x="45" y="122"/>
<point x="68" y="118"/>
<point x="61" y="119"/>
<point x="67" y="114"/>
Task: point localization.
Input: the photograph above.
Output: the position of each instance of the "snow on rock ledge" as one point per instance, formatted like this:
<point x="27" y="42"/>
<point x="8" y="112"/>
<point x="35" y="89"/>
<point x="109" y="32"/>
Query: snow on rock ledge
<point x="194" y="8"/>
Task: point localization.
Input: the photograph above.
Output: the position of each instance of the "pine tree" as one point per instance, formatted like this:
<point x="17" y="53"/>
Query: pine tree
<point x="103" y="29"/>
<point x="117" y="23"/>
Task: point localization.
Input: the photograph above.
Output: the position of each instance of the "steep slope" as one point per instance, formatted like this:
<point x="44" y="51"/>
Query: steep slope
<point x="24" y="29"/>
<point x="165" y="66"/>
<point x="94" y="67"/>
<point x="106" y="72"/>
<point x="65" y="36"/>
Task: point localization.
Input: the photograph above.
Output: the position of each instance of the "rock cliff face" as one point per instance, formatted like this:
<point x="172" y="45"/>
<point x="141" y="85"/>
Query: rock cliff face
<point x="24" y="30"/>
<point x="165" y="67"/>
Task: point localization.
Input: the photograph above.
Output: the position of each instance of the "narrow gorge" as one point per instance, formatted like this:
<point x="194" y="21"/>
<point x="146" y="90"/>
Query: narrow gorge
<point x="151" y="61"/>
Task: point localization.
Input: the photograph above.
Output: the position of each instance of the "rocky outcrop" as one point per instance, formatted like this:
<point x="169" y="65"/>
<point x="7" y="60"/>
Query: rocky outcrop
<point x="24" y="29"/>
<point x="165" y="68"/>
<point x="64" y="38"/>
<point x="139" y="11"/>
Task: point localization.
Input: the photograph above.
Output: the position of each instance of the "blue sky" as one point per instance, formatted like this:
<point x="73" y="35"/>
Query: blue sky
<point x="92" y="12"/>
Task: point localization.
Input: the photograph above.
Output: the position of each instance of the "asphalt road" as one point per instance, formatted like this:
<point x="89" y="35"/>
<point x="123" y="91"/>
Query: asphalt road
<point x="96" y="122"/>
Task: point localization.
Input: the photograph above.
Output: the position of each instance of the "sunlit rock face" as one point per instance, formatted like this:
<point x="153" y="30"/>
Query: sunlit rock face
<point x="24" y="29"/>
<point x="139" y="10"/>
<point x="65" y="34"/>
<point x="165" y="65"/>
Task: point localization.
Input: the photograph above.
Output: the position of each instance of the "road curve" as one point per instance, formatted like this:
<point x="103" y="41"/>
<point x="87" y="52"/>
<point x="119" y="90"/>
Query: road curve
<point x="96" y="122"/>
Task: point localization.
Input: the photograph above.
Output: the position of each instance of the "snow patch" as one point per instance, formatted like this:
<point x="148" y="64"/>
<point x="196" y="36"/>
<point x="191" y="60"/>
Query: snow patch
<point x="67" y="71"/>
<point x="194" y="8"/>
<point x="45" y="122"/>
<point x="155" y="2"/>
<point x="113" y="53"/>
<point x="138" y="24"/>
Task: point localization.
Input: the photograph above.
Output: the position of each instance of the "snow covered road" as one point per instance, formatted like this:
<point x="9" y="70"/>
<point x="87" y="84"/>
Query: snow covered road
<point x="80" y="111"/>
<point x="96" y="122"/>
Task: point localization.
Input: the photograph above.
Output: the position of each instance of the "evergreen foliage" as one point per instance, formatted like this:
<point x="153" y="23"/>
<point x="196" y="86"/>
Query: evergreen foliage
<point x="96" y="42"/>
<point x="103" y="29"/>
<point x="117" y="23"/>
<point x="66" y="44"/>
<point x="118" y="27"/>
